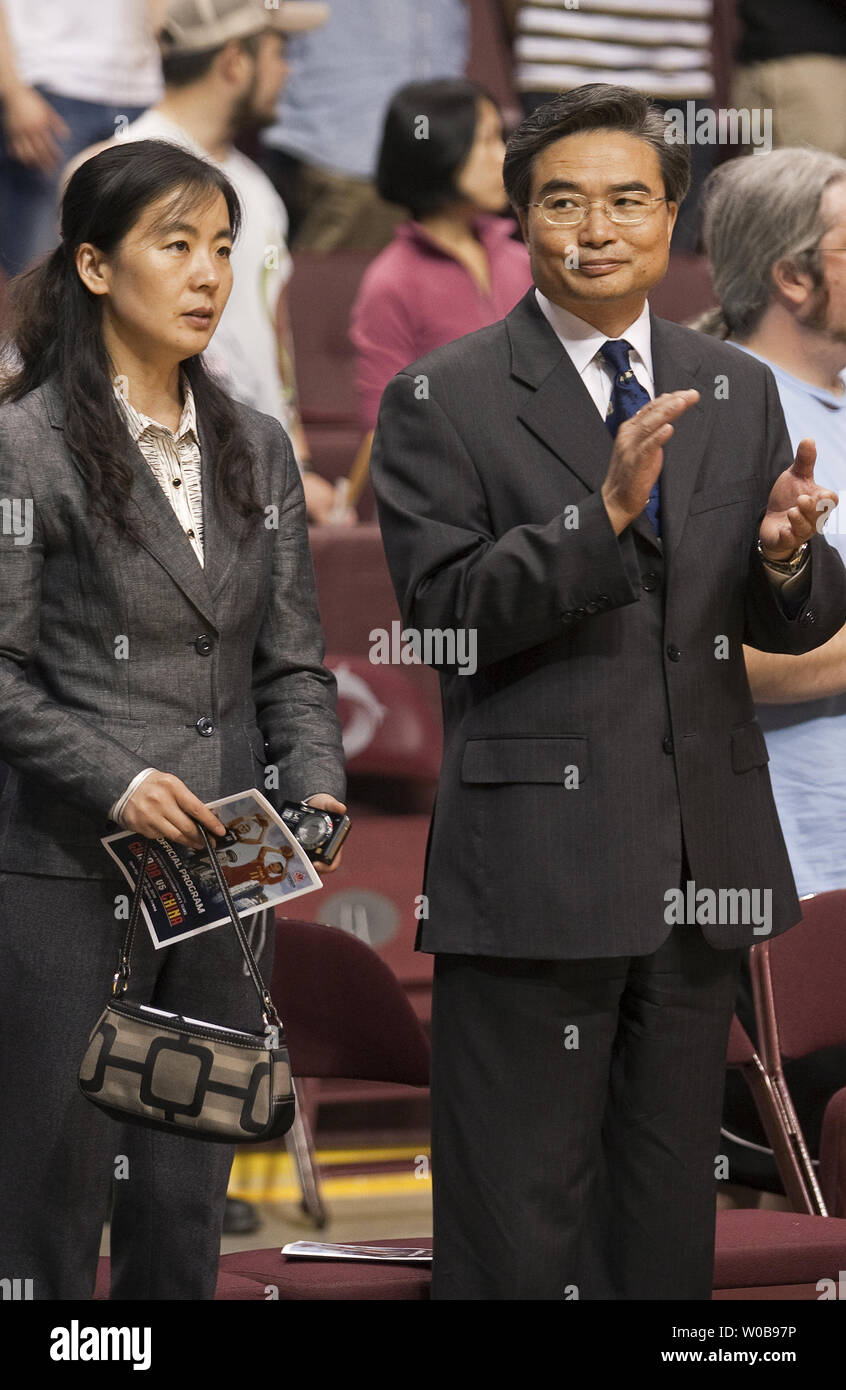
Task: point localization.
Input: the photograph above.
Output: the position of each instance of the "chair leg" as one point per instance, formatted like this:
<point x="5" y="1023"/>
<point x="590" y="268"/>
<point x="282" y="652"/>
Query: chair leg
<point x="776" y="1123"/>
<point x="803" y="1157"/>
<point x="300" y="1146"/>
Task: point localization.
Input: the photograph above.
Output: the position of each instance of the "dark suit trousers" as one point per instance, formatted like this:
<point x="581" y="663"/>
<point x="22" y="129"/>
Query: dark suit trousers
<point x="59" y="943"/>
<point x="576" y="1121"/>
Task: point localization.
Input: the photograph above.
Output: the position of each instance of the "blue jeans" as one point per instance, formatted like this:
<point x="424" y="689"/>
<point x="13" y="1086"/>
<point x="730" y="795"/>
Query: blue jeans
<point x="29" y="217"/>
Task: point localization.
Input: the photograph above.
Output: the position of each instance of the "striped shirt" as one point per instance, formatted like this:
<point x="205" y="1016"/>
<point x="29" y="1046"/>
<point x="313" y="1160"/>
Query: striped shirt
<point x="174" y="459"/>
<point x="175" y="462"/>
<point x="660" y="47"/>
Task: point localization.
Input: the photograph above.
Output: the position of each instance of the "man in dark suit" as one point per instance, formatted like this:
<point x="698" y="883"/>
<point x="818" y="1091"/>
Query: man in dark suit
<point x="610" y="502"/>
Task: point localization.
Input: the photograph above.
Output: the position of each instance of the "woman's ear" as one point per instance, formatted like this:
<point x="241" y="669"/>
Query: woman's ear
<point x="93" y="268"/>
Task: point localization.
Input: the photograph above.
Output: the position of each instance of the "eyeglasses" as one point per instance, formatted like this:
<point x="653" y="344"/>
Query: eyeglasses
<point x="569" y="209"/>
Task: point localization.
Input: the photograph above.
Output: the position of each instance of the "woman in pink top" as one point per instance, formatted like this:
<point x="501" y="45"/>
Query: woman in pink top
<point x="455" y="267"/>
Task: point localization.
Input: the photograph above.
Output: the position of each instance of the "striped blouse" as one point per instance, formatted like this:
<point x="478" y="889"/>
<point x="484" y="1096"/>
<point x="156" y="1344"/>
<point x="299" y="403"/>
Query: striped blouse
<point x="175" y="462"/>
<point x="173" y="458"/>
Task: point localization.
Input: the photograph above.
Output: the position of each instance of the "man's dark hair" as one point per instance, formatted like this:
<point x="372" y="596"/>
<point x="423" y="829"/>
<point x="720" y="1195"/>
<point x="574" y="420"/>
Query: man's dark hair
<point x="596" y="106"/>
<point x="417" y="166"/>
<point x="181" y="69"/>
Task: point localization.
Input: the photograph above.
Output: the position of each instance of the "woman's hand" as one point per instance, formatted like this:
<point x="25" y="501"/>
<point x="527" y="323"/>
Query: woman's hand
<point x="324" y="802"/>
<point x="163" y="805"/>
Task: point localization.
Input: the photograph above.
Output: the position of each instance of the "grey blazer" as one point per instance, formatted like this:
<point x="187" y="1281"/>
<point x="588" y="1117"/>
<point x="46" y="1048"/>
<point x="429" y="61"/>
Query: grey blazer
<point x="619" y="658"/>
<point x="115" y="657"/>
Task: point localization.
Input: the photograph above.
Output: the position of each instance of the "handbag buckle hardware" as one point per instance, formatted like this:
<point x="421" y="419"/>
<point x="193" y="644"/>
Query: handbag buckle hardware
<point x="269" y="1014"/>
<point x="120" y="979"/>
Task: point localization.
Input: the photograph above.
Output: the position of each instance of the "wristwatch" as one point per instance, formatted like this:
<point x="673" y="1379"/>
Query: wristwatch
<point x="791" y="565"/>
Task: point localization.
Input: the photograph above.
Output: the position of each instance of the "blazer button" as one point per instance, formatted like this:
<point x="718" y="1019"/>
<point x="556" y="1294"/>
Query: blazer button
<point x="204" y="644"/>
<point x="591" y="608"/>
<point x="581" y="613"/>
<point x="567" y="616"/>
<point x="667" y="744"/>
<point x="650" y="581"/>
<point x="673" y="652"/>
<point x="603" y="600"/>
<point x="205" y="727"/>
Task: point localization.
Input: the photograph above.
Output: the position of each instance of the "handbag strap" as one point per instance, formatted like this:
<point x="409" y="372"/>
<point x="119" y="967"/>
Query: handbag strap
<point x="121" y="978"/>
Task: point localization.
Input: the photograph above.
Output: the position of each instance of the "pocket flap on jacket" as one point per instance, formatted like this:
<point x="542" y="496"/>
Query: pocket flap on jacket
<point x="748" y="747"/>
<point x="526" y="759"/>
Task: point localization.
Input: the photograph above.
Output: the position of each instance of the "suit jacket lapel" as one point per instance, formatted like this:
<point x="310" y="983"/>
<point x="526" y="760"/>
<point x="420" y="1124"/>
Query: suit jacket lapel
<point x="159" y="530"/>
<point x="222" y="529"/>
<point x="676" y="362"/>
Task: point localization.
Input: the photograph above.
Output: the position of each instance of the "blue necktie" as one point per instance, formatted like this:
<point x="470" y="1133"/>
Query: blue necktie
<point x="627" y="397"/>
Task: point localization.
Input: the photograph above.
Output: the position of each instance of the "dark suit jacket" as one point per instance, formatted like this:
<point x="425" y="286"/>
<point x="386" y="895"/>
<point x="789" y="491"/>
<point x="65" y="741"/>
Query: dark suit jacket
<point x="594" y="652"/>
<point x="220" y="673"/>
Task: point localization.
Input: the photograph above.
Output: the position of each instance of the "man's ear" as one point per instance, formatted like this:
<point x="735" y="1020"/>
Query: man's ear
<point x="672" y="214"/>
<point x="791" y="286"/>
<point x="230" y="63"/>
<point x="523" y="219"/>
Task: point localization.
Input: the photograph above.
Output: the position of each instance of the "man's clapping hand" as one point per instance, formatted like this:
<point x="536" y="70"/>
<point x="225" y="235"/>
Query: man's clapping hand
<point x="797" y="508"/>
<point x="638" y="456"/>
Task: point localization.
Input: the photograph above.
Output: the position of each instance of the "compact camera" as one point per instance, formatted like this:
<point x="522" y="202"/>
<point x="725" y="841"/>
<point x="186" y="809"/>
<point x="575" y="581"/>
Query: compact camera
<point x="321" y="833"/>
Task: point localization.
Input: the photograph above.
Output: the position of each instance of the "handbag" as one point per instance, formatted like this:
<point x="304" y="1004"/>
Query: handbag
<point x="184" y="1076"/>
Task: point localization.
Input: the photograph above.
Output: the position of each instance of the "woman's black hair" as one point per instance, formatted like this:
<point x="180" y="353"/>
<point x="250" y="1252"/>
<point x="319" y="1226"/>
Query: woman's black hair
<point x="56" y="326"/>
<point x="429" y="131"/>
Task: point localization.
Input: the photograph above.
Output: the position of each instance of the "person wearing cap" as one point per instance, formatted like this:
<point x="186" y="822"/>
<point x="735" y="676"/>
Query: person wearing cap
<point x="223" y="67"/>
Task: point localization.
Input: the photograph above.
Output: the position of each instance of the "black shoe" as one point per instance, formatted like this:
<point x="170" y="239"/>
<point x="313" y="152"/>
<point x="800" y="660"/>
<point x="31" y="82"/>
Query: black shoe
<point x="240" y="1218"/>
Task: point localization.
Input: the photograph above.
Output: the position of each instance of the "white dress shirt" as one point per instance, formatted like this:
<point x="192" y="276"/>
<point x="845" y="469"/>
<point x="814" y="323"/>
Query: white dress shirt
<point x="583" y="342"/>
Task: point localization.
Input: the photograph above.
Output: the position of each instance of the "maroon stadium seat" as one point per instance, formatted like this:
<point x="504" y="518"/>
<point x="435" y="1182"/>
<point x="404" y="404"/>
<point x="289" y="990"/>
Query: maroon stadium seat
<point x="389" y="728"/>
<point x="356" y="596"/>
<point x="832" y="1172"/>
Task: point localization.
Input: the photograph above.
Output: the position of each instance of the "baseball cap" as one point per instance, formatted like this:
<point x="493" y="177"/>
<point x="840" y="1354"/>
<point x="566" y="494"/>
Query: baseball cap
<point x="191" y="26"/>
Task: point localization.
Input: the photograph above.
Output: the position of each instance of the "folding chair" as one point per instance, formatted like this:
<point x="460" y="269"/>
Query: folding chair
<point x="798" y="982"/>
<point x="784" y="1255"/>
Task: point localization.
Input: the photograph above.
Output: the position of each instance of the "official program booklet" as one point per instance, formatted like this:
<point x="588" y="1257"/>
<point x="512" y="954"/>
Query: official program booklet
<point x="385" y="1254"/>
<point x="261" y="861"/>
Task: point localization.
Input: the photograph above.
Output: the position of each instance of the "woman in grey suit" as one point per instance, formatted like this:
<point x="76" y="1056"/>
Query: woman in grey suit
<point x="160" y="647"/>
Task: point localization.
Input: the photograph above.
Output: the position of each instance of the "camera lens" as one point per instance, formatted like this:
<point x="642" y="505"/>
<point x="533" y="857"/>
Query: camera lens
<point x="313" y="830"/>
